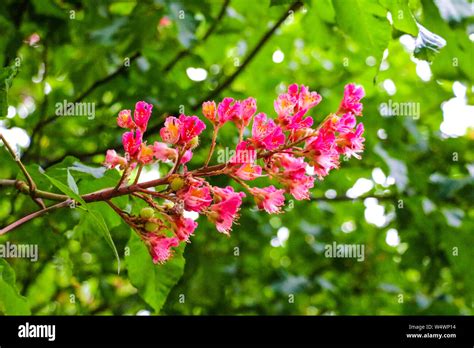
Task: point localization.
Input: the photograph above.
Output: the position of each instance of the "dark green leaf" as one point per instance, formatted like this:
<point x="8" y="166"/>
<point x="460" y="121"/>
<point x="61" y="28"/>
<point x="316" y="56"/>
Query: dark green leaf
<point x="11" y="302"/>
<point x="154" y="282"/>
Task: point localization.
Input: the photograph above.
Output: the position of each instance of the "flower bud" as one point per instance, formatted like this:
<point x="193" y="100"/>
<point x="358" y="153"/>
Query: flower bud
<point x="168" y="205"/>
<point x="151" y="226"/>
<point x="177" y="183"/>
<point x="146" y="213"/>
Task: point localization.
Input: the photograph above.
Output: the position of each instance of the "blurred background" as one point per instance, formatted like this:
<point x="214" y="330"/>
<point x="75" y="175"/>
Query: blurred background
<point x="408" y="201"/>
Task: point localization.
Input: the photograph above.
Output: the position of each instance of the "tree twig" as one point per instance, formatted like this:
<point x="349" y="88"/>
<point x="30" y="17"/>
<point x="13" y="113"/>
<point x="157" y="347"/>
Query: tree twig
<point x="31" y="184"/>
<point x="31" y="216"/>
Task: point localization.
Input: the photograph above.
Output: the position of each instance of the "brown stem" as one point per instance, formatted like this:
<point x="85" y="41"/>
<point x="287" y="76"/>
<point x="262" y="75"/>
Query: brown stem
<point x="241" y="182"/>
<point x="147" y="200"/>
<point x="31" y="216"/>
<point x="109" y="193"/>
<point x="122" y="178"/>
<point x="213" y="145"/>
<point x="31" y="184"/>
<point x="123" y="215"/>
<point x="16" y="157"/>
<point x="157" y="194"/>
<point x="140" y="167"/>
<point x="178" y="160"/>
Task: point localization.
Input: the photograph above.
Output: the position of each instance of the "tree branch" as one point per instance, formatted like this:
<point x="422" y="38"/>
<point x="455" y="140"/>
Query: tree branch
<point x="31" y="183"/>
<point x="36" y="214"/>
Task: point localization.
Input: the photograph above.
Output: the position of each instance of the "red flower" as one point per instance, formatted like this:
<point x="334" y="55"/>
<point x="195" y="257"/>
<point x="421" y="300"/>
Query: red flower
<point x="190" y="127"/>
<point x="132" y="142"/>
<point x="265" y="133"/>
<point x="160" y="247"/>
<point x="142" y="115"/>
<point x="268" y="198"/>
<point x="225" y="211"/>
<point x="351" y="101"/>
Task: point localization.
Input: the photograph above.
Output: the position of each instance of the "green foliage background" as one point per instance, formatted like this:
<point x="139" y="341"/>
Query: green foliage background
<point x="83" y="55"/>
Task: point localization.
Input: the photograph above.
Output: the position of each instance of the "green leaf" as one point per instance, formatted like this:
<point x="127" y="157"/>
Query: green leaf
<point x="48" y="8"/>
<point x="279" y="2"/>
<point x="325" y="10"/>
<point x="365" y="22"/>
<point x="66" y="190"/>
<point x="72" y="183"/>
<point x="6" y="77"/>
<point x="401" y="15"/>
<point x="98" y="221"/>
<point x="11" y="302"/>
<point x="154" y="282"/>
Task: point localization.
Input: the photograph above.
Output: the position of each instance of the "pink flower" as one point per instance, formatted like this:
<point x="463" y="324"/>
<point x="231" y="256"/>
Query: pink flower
<point x="112" y="160"/>
<point x="209" y="111"/>
<point x="223" y="194"/>
<point x="164" y="22"/>
<point x="170" y="132"/>
<point x="186" y="157"/>
<point x="307" y="99"/>
<point x="289" y="163"/>
<point x="292" y="106"/>
<point x="145" y="155"/>
<point x="265" y="133"/>
<point x="297" y="121"/>
<point x="195" y="196"/>
<point x="226" y="110"/>
<point x="163" y="153"/>
<point x="33" y="39"/>
<point x="243" y="112"/>
<point x="184" y="227"/>
<point x="124" y="119"/>
<point x="285" y="105"/>
<point x="299" y="188"/>
<point x="160" y="246"/>
<point x="346" y="123"/>
<point x="268" y="198"/>
<point x="132" y="142"/>
<point x="244" y="153"/>
<point x="322" y="153"/>
<point x="291" y="172"/>
<point x="225" y="211"/>
<point x="248" y="171"/>
<point x="191" y="126"/>
<point x="351" y="101"/>
<point x="297" y="134"/>
<point x="142" y="115"/>
<point x="351" y="143"/>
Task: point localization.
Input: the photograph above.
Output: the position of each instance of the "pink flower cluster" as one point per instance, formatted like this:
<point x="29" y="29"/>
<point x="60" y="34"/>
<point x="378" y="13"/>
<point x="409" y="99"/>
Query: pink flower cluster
<point x="286" y="149"/>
